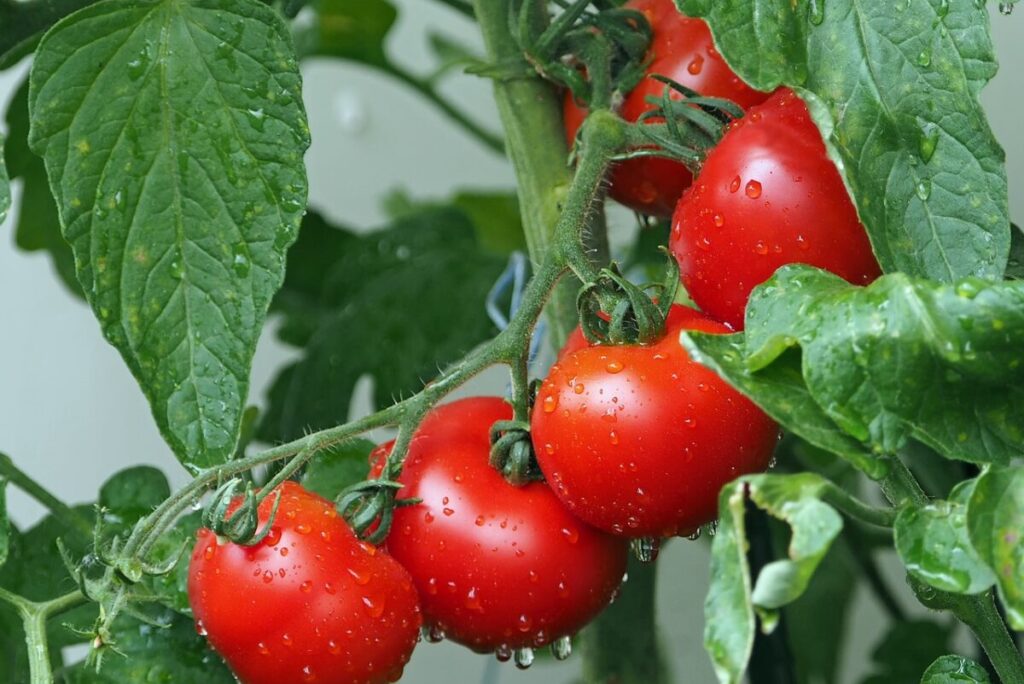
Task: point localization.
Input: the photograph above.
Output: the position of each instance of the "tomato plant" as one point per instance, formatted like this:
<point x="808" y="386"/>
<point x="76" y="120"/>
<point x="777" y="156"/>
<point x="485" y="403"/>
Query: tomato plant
<point x="309" y="602"/>
<point x="472" y="536"/>
<point x="638" y="440"/>
<point x="768" y="195"/>
<point x="683" y="50"/>
<point x="847" y="243"/>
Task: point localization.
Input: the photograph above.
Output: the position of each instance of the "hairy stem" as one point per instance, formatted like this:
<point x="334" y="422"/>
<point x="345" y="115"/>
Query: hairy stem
<point x="33" y="617"/>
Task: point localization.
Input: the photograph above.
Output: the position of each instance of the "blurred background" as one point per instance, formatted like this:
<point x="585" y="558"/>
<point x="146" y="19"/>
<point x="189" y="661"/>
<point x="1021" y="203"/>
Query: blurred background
<point x="71" y="414"/>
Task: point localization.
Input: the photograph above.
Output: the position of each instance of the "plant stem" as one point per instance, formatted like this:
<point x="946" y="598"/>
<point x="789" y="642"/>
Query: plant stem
<point x="857" y="509"/>
<point x="530" y="112"/>
<point x="58" y="508"/>
<point x="980" y="614"/>
<point x="978" y="611"/>
<point x="33" y="617"/>
<point x="425" y="88"/>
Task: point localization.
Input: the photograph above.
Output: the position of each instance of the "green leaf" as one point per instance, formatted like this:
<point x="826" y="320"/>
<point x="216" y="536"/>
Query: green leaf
<point x="37" y="225"/>
<point x="338" y="467"/>
<point x="954" y="669"/>
<point x="995" y="520"/>
<point x="23" y="21"/>
<point x="348" y="29"/>
<point x="384" y="309"/>
<point x="132" y="494"/>
<point x="906" y="650"/>
<point x="5" y="184"/>
<point x="5" y="524"/>
<point x="932" y="540"/>
<point x="495" y="216"/>
<point x="781" y="392"/>
<point x="155" y="654"/>
<point x="902" y="358"/>
<point x="177" y="168"/>
<point x="897" y="88"/>
<point x="731" y="601"/>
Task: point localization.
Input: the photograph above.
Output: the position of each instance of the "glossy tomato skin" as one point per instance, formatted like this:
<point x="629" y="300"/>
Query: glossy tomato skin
<point x="768" y="195"/>
<point x="310" y="603"/>
<point x="638" y="440"/>
<point x="497" y="566"/>
<point x="682" y="49"/>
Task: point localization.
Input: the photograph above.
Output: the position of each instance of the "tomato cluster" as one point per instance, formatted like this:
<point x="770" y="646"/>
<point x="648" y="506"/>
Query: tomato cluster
<point x="634" y="440"/>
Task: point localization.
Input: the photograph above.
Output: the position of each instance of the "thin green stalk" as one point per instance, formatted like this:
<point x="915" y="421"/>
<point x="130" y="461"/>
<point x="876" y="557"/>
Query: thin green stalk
<point x="58" y="508"/>
<point x="425" y="88"/>
<point x="857" y="509"/>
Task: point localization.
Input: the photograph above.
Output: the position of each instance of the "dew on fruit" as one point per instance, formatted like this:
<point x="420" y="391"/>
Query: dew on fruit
<point x="753" y="189"/>
<point x="262" y="648"/>
<point x="695" y="535"/>
<point x="373" y="608"/>
<point x="287" y="640"/>
<point x="613" y="437"/>
<point x="572" y="535"/>
<point x="614" y="366"/>
<point x="550" y="403"/>
<point x="696" y="65"/>
<point x="503" y="653"/>
<point x="201" y="628"/>
<point x="524" y="657"/>
<point x="645" y="549"/>
<point x="434" y="634"/>
<point x="734" y="186"/>
<point x="761" y="247"/>
<point x="561" y="648"/>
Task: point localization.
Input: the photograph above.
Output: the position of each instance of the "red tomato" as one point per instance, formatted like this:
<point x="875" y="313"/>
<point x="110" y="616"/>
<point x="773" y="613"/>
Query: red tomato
<point x="497" y="567"/>
<point x="683" y="50"/>
<point x="309" y="603"/>
<point x="768" y="195"/>
<point x="638" y="440"/>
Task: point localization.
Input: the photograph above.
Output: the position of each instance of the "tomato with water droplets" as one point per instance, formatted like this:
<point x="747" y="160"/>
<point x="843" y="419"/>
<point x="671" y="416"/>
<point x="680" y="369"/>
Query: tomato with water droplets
<point x="638" y="440"/>
<point x="309" y="603"/>
<point x="497" y="567"/>
<point x="682" y="49"/>
<point x="768" y="195"/>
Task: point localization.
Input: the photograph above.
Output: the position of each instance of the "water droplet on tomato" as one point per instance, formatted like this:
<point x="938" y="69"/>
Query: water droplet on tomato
<point x="524" y="657"/>
<point x="200" y="628"/>
<point x="614" y="366"/>
<point x="480" y="521"/>
<point x="362" y="578"/>
<point x="719" y="220"/>
<point x="696" y="65"/>
<point x="286" y="639"/>
<point x="210" y="551"/>
<point x="307" y="674"/>
<point x="428" y="517"/>
<point x="561" y="648"/>
<point x="761" y="247"/>
<point x="578" y="388"/>
<point x="571" y="534"/>
<point x="435" y="634"/>
<point x="735" y="185"/>
<point x="268" y="577"/>
<point x="753" y="189"/>
<point x="503" y="653"/>
<point x="303" y="528"/>
<point x="262" y="648"/>
<point x="524" y="623"/>
<point x="330" y="588"/>
<point x="645" y="549"/>
<point x="473" y="601"/>
<point x="550" y="403"/>
<point x="373" y="608"/>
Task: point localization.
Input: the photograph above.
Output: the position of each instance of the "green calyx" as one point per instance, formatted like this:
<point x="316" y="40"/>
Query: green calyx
<point x="512" y="452"/>
<point x="599" y="55"/>
<point x="614" y="311"/>
<point x="240" y="526"/>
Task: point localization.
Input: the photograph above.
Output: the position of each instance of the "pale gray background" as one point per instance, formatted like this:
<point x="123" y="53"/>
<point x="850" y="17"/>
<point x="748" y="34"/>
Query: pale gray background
<point x="71" y="414"/>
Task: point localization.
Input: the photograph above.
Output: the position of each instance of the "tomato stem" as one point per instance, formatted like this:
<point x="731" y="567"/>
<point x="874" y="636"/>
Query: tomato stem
<point x="33" y="617"/>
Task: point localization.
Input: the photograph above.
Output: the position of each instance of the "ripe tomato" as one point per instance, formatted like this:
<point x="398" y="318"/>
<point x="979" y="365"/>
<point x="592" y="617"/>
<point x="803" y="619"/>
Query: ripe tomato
<point x="638" y="440"/>
<point x="309" y="603"/>
<point x="682" y="49"/>
<point x="768" y="195"/>
<point x="497" y="567"/>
